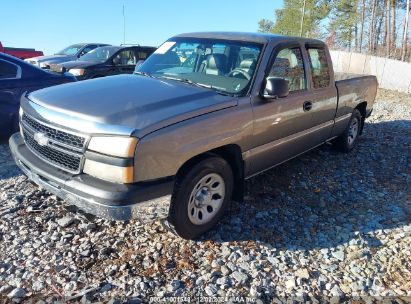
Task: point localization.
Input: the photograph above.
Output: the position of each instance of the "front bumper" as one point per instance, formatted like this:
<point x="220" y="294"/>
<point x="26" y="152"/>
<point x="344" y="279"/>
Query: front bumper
<point x="95" y="196"/>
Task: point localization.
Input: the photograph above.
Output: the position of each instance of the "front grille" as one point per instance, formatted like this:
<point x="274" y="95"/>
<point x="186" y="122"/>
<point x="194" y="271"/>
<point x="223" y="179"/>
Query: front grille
<point x="62" y="149"/>
<point x="68" y="162"/>
<point x="57" y="135"/>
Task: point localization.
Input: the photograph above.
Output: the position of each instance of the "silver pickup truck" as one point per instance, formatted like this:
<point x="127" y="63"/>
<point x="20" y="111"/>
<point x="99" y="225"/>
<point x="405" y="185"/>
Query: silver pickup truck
<point x="204" y="113"/>
<point x="72" y="52"/>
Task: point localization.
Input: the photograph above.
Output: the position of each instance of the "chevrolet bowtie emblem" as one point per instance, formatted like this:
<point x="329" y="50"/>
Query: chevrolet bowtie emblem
<point x="41" y="139"/>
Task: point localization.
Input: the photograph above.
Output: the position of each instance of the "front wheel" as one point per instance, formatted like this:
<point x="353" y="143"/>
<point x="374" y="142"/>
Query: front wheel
<point x="347" y="141"/>
<point x="200" y="197"/>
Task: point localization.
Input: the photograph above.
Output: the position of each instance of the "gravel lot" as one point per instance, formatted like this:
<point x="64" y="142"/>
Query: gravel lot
<point x="325" y="225"/>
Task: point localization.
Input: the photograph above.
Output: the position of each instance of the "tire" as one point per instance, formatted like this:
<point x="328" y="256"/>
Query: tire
<point x="200" y="198"/>
<point x="348" y="140"/>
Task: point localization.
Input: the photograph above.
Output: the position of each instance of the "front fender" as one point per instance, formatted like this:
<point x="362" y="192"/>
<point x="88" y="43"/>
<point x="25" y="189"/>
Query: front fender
<point x="161" y="153"/>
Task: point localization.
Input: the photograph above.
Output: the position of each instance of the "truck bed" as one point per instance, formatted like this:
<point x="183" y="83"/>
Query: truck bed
<point x="356" y="88"/>
<point x="338" y="76"/>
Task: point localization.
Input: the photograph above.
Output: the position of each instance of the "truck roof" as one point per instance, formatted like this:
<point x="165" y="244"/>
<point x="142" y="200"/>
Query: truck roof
<point x="249" y="37"/>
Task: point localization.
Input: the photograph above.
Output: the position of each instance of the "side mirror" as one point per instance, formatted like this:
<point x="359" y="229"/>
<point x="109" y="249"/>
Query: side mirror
<point x="275" y="88"/>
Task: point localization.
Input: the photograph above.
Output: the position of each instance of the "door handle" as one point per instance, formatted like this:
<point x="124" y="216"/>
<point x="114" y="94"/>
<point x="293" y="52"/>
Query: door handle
<point x="307" y="106"/>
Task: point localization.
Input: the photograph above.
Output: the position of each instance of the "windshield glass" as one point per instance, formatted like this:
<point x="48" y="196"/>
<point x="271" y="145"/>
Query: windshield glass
<point x="100" y="54"/>
<point x="71" y="50"/>
<point x="225" y="66"/>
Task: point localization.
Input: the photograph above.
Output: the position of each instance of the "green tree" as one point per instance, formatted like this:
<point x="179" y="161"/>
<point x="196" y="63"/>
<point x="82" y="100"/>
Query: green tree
<point x="344" y="20"/>
<point x="288" y="19"/>
<point x="265" y="25"/>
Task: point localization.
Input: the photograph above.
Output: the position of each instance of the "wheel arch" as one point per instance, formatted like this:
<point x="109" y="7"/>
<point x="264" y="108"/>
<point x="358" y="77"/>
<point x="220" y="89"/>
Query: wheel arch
<point x="362" y="107"/>
<point x="232" y="155"/>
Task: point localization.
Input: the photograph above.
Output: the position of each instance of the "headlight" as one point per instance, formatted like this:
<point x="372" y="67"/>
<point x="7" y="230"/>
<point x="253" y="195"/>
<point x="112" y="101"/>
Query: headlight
<point x="43" y="65"/>
<point x="109" y="173"/>
<point x="114" y="146"/>
<point x="77" y="72"/>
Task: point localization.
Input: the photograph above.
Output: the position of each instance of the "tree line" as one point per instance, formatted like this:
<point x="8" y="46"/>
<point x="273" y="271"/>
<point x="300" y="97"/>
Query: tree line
<point x="377" y="27"/>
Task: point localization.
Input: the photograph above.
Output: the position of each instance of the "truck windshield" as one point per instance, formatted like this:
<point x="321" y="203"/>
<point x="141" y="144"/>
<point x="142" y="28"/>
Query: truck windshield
<point x="71" y="50"/>
<point x="225" y="66"/>
<point x="100" y="54"/>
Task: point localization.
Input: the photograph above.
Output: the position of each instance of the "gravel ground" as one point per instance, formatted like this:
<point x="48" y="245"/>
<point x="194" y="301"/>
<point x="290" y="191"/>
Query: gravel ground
<point x="325" y="226"/>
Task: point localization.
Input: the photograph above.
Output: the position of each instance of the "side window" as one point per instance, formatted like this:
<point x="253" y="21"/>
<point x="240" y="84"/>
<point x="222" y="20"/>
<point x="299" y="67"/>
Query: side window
<point x="319" y="67"/>
<point x="289" y="65"/>
<point x="8" y="70"/>
<point x="126" y="57"/>
<point x="142" y="55"/>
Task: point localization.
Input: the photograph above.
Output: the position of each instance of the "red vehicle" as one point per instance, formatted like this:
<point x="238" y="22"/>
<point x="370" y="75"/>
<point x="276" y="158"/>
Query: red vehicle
<point x="21" y="53"/>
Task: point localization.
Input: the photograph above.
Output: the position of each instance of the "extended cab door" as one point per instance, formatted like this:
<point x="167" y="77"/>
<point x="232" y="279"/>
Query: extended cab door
<point x="282" y="126"/>
<point x="323" y="93"/>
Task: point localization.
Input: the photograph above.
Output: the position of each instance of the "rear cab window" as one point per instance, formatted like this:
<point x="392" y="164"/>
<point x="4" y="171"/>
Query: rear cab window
<point x="320" y="70"/>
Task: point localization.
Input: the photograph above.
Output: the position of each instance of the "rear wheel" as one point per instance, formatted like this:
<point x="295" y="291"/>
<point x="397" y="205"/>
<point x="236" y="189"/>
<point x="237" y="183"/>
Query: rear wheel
<point x="200" y="197"/>
<point x="347" y="141"/>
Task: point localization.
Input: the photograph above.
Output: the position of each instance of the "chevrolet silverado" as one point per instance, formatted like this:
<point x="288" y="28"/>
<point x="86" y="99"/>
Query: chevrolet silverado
<point x="202" y="114"/>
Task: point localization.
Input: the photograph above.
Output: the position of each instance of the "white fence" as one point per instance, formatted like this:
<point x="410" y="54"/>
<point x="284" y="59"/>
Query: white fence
<point x="391" y="74"/>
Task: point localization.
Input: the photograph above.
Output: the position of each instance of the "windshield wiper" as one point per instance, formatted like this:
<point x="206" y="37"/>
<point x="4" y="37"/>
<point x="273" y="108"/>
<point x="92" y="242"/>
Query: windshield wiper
<point x="221" y="92"/>
<point x="144" y="74"/>
<point x="189" y="81"/>
<point x="185" y="80"/>
<point x="197" y="84"/>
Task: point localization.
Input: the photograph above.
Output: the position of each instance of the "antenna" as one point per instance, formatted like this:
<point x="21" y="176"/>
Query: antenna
<point x="124" y="26"/>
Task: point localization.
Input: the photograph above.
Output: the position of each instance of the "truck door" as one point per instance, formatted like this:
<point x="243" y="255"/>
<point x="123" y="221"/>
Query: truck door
<point x="282" y="126"/>
<point x="323" y="90"/>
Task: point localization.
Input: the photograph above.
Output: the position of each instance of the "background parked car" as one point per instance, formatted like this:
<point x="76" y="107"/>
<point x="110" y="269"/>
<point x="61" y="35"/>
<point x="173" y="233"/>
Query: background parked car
<point x="105" y="61"/>
<point x="17" y="78"/>
<point x="71" y="52"/>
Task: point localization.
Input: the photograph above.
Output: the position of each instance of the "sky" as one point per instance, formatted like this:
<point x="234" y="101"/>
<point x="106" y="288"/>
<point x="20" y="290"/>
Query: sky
<point x="50" y="26"/>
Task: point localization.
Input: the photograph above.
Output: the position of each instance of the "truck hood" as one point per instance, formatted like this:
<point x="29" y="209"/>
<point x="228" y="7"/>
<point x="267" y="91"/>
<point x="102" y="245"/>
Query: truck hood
<point x="139" y="103"/>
